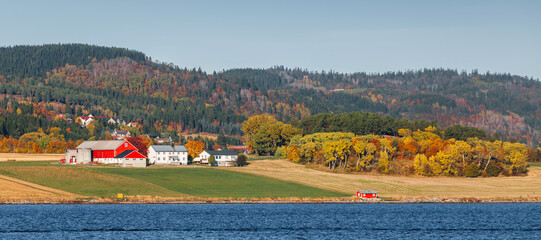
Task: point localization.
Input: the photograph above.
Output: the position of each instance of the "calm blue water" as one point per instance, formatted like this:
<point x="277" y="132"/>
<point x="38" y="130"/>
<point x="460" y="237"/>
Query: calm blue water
<point x="275" y="221"/>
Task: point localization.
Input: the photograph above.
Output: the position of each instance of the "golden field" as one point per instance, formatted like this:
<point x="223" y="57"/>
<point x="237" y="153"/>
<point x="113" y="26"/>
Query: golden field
<point x="42" y="182"/>
<point x="12" y="189"/>
<point x="403" y="187"/>
<point x="30" y="157"/>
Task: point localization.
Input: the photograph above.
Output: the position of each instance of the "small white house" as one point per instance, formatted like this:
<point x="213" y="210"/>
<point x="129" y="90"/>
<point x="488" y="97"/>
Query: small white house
<point x="85" y="120"/>
<point x="223" y="158"/>
<point x="121" y="134"/>
<point x="168" y="155"/>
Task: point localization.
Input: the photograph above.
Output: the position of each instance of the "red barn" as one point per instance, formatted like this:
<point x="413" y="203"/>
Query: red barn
<point x="119" y="152"/>
<point x="367" y="194"/>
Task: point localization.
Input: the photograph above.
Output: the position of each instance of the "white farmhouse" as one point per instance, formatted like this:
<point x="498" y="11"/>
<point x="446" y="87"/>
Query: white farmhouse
<point x="223" y="158"/>
<point x="168" y="155"/>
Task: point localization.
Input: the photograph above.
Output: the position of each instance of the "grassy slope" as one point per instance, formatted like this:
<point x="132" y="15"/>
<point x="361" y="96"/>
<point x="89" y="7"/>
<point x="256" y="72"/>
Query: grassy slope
<point x="165" y="182"/>
<point x="83" y="181"/>
<point x="212" y="182"/>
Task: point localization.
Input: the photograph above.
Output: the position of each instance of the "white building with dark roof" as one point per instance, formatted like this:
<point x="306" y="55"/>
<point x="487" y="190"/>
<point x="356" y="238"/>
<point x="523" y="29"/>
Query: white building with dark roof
<point x="223" y="158"/>
<point x="168" y="155"/>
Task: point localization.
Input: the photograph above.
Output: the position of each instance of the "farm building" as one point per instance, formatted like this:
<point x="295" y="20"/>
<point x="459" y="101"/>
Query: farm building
<point x="367" y="194"/>
<point x="120" y="134"/>
<point x="223" y="158"/>
<point x="120" y="152"/>
<point x="168" y="155"/>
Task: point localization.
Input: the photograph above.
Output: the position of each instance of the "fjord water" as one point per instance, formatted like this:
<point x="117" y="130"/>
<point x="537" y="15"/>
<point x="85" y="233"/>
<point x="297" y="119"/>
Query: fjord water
<point x="275" y="221"/>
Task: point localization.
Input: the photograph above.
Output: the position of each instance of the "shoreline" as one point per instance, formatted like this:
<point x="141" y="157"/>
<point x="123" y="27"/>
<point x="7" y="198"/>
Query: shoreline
<point x="307" y="201"/>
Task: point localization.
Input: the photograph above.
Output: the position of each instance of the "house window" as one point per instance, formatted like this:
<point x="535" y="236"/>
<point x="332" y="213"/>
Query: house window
<point x="125" y="144"/>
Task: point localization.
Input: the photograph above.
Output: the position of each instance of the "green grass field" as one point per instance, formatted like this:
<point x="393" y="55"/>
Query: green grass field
<point x="536" y="164"/>
<point x="251" y="158"/>
<point x="164" y="182"/>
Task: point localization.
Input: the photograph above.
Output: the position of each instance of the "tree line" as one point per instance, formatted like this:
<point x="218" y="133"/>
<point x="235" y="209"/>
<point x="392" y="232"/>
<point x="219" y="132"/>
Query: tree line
<point x="365" y="142"/>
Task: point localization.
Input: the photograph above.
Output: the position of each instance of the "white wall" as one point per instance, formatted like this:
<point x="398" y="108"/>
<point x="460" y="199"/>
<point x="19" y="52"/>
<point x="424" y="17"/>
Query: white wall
<point x="165" y="158"/>
<point x="152" y="155"/>
<point x="134" y="162"/>
<point x="226" y="160"/>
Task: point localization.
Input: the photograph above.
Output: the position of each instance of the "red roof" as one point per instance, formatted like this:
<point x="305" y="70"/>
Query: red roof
<point x="135" y="154"/>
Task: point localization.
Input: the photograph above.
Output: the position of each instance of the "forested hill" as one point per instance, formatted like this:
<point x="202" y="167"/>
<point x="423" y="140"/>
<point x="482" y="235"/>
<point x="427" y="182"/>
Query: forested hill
<point x="35" y="61"/>
<point x="166" y="99"/>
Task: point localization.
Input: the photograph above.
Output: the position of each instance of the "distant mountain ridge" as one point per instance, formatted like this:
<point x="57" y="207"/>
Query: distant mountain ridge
<point x="126" y="84"/>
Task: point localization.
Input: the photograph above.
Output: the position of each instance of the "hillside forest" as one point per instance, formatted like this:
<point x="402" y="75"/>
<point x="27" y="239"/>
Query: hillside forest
<point x="48" y="87"/>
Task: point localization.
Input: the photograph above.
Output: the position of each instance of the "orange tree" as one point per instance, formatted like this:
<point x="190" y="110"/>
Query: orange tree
<point x="194" y="148"/>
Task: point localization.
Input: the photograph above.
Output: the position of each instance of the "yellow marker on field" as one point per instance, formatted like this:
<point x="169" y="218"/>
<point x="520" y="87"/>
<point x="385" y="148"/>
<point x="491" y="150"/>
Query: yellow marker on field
<point x="120" y="195"/>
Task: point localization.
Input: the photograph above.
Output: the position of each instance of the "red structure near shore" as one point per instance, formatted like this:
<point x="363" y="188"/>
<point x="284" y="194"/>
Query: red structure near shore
<point x="367" y="194"/>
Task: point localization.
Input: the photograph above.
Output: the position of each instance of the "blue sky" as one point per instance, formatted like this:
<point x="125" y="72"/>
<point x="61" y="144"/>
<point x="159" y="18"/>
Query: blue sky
<point x="345" y="36"/>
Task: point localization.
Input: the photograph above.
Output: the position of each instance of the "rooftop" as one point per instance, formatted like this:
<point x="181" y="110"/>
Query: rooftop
<point x="221" y="153"/>
<point x="102" y="145"/>
<point x="168" y="148"/>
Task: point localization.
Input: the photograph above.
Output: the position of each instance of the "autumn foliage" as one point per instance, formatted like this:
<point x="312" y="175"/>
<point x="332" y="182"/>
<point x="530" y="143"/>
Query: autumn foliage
<point x="422" y="152"/>
<point x="49" y="141"/>
<point x="194" y="148"/>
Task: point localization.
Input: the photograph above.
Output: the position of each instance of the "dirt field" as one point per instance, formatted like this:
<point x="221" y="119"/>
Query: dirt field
<point x="12" y="189"/>
<point x="30" y="157"/>
<point x="400" y="187"/>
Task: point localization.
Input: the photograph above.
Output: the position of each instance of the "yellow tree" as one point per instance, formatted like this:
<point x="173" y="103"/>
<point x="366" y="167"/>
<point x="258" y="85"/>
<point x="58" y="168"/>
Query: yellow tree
<point x="360" y="147"/>
<point x="365" y="152"/>
<point x="335" y="152"/>
<point x="345" y="145"/>
<point x="462" y="151"/>
<point x="516" y="155"/>
<point x="427" y="166"/>
<point x="383" y="162"/>
<point x="404" y="132"/>
<point x="494" y="149"/>
<point x="251" y="126"/>
<point x="308" y="151"/>
<point x="272" y="135"/>
<point x="447" y="163"/>
<point x="420" y="164"/>
<point x="194" y="148"/>
<point x="386" y="145"/>
<point x="370" y="152"/>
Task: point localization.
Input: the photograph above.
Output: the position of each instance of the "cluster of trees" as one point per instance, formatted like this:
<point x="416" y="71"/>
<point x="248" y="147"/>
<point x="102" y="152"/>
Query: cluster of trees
<point x="371" y="142"/>
<point x="49" y="141"/>
<point x="263" y="134"/>
<point x="420" y="152"/>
